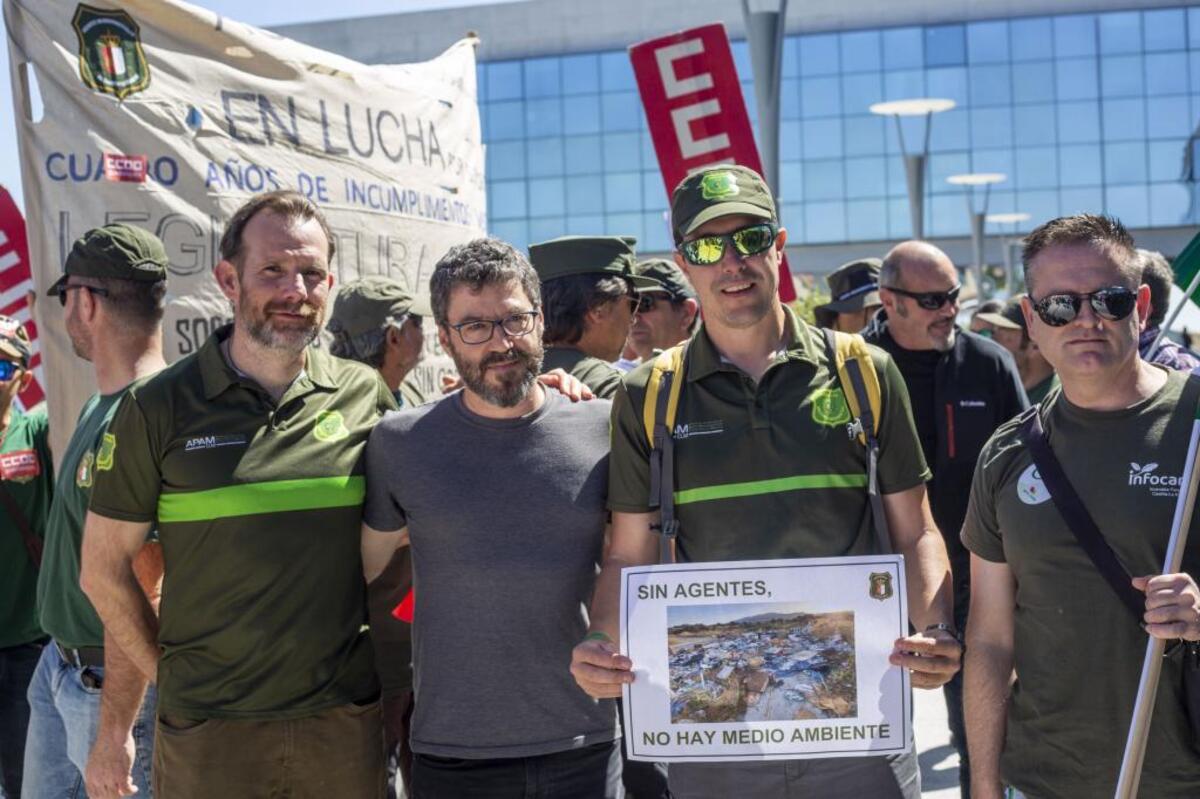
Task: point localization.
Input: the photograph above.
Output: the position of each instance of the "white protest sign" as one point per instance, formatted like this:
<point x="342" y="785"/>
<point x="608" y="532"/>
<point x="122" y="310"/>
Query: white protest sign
<point x="765" y="660"/>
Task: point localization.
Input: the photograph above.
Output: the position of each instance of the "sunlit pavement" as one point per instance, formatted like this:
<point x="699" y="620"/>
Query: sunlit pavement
<point x="939" y="762"/>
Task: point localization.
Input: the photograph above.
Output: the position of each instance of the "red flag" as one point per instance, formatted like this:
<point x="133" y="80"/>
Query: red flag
<point x="16" y="281"/>
<point x="695" y="109"/>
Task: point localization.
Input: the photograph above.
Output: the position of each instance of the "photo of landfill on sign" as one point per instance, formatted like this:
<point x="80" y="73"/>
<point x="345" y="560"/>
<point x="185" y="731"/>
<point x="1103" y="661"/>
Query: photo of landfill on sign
<point x="760" y="662"/>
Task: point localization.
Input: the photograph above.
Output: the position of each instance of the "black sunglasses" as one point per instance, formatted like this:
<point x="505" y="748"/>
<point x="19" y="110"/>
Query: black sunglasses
<point x="62" y="292"/>
<point x="1113" y="303"/>
<point x="929" y="300"/>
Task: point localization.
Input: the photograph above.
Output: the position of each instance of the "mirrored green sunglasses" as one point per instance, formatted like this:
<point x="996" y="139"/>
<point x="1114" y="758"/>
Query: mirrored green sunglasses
<point x="750" y="240"/>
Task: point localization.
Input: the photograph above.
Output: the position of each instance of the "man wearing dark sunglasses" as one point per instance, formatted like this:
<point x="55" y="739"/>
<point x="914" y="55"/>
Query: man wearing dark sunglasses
<point x="1119" y="428"/>
<point x="962" y="387"/>
<point x="667" y="313"/>
<point x="752" y="379"/>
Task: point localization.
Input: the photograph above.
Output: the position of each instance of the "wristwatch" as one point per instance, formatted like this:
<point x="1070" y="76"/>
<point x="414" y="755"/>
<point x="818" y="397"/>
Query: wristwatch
<point x="941" y="625"/>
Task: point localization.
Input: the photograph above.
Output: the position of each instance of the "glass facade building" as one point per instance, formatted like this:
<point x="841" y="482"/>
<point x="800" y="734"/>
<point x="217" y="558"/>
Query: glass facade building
<point x="1082" y="112"/>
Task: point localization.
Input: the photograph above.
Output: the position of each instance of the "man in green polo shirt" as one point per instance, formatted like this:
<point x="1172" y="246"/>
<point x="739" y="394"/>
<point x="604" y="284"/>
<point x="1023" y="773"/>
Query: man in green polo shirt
<point x="112" y="293"/>
<point x="249" y="454"/>
<point x="589" y="297"/>
<point x="752" y="433"/>
<point x="26" y="485"/>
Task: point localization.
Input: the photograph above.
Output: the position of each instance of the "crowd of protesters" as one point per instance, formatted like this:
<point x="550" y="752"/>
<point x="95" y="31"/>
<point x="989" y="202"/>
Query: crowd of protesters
<point x="205" y="600"/>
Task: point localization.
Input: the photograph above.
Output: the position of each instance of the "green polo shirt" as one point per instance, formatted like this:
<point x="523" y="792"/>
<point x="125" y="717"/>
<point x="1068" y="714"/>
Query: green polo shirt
<point x="598" y="375"/>
<point x="259" y="510"/>
<point x="767" y="469"/>
<point x="27" y="476"/>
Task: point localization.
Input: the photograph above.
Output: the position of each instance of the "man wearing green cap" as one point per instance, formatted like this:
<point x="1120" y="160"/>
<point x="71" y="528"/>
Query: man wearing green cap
<point x="85" y="694"/>
<point x="589" y="297"/>
<point x="1007" y="328"/>
<point x="26" y="485"/>
<point x="667" y="313"/>
<point x="854" y="289"/>
<point x="751" y="378"/>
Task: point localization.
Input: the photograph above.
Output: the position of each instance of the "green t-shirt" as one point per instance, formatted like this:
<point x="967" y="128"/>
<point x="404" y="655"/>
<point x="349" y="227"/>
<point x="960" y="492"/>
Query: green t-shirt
<point x="594" y="373"/>
<point x="1078" y="650"/>
<point x="66" y="613"/>
<point x="259" y="511"/>
<point x="27" y="474"/>
<point x="766" y="470"/>
<point x="1042" y="389"/>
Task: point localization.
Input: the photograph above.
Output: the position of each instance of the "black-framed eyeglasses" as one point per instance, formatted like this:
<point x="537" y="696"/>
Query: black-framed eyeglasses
<point x="746" y="241"/>
<point x="929" y="300"/>
<point x="8" y="370"/>
<point x="480" y="331"/>
<point x="1113" y="303"/>
<point x="62" y="292"/>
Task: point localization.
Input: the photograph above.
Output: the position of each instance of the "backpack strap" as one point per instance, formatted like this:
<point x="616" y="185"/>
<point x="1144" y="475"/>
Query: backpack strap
<point x="658" y="417"/>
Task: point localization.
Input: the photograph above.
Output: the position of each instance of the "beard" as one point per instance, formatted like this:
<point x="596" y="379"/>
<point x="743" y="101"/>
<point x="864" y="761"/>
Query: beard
<point x="259" y="326"/>
<point x="506" y="391"/>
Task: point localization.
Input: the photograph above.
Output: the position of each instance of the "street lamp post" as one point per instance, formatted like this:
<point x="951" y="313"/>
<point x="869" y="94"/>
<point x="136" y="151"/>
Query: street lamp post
<point x="914" y="162"/>
<point x="1007" y="241"/>
<point x="971" y="181"/>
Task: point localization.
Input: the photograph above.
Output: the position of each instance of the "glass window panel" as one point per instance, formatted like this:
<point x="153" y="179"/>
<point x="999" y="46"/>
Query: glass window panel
<point x="866" y="220"/>
<point x="791" y="57"/>
<point x="1166" y="160"/>
<point x="1124" y="120"/>
<point x="1031" y="39"/>
<point x="585" y="225"/>
<point x="657" y="234"/>
<point x="865" y="135"/>
<point x="825" y="221"/>
<point x="481" y="81"/>
<point x="791" y="181"/>
<point x="859" y="92"/>
<point x="861" y="51"/>
<point x="993" y="161"/>
<point x="1079" y="122"/>
<point x="544" y="117"/>
<point x="822" y="138"/>
<point x="1033" y="82"/>
<point x="1122" y="76"/>
<point x="1194" y="28"/>
<point x="1130" y="204"/>
<point x="545" y="228"/>
<point x="899" y="220"/>
<point x="654" y="193"/>
<point x="824" y="180"/>
<point x="790" y="140"/>
<point x="1037" y="167"/>
<point x="991" y="127"/>
<point x="1169" y="204"/>
<point x="1041" y="206"/>
<point x="545" y="157"/>
<point x="942" y="166"/>
<point x="1165" y="29"/>
<point x="580" y="74"/>
<point x="950" y="82"/>
<point x="1077" y="79"/>
<point x="903" y="48"/>
<point x="1125" y="163"/>
<point x="1079" y="201"/>
<point x="819" y="54"/>
<point x="1121" y="32"/>
<point x="506" y="199"/>
<point x="504" y="80"/>
<point x="624" y="225"/>
<point x="515" y="232"/>
<point x="649" y="157"/>
<point x="1166" y="73"/>
<point x="1034" y="124"/>
<point x="789" y="99"/>
<point x="1168" y="116"/>
<point x="621" y="111"/>
<point x="1080" y="165"/>
<point x="945" y="46"/>
<point x="741" y="59"/>
<point x="791" y="216"/>
<point x="820" y="97"/>
<point x="542" y="77"/>
<point x="506" y="160"/>
<point x="616" y="72"/>
<point x="947" y="217"/>
<point x="585" y="195"/>
<point x="581" y="114"/>
<point x="866" y="177"/>
<point x="623" y="191"/>
<point x="622" y="152"/>
<point x="582" y="154"/>
<point x="897" y="185"/>
<point x="904" y="84"/>
<point x="949" y="131"/>
<point x="506" y="120"/>
<point x="990" y="85"/>
<point x="987" y="42"/>
<point x="1074" y="35"/>
<point x="546" y="197"/>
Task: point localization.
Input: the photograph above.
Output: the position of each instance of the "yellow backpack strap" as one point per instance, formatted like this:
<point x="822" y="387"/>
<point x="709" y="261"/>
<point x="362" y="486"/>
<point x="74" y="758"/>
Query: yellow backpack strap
<point x="667" y="362"/>
<point x="658" y="416"/>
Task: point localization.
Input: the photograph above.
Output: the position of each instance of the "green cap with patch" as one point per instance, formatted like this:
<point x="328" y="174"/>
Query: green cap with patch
<point x="364" y="305"/>
<point x="120" y="251"/>
<point x="670" y="279"/>
<point x="719" y="191"/>
<point x="613" y="256"/>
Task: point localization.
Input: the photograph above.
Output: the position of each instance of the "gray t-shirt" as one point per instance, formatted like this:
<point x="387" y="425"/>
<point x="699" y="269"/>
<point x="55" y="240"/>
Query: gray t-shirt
<point x="506" y="520"/>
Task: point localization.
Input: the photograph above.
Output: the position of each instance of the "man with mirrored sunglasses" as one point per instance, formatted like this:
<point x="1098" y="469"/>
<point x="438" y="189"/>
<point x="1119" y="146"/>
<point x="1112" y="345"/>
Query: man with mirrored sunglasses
<point x="1040" y="609"/>
<point x="962" y="387"/>
<point x="751" y="377"/>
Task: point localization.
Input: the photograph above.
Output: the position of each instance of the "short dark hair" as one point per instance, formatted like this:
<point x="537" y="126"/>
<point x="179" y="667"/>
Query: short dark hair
<point x="1158" y="275"/>
<point x="1092" y="229"/>
<point x="568" y="299"/>
<point x="139" y="304"/>
<point x="479" y="263"/>
<point x="287" y="203"/>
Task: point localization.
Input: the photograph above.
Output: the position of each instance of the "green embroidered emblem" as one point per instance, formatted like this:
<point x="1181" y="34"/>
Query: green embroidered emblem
<point x="104" y="458"/>
<point x="718" y="185"/>
<point x="111" y="60"/>
<point x="330" y="426"/>
<point x="829" y="407"/>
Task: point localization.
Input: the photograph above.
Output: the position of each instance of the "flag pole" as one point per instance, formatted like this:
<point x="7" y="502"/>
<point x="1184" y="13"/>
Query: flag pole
<point x="1143" y="709"/>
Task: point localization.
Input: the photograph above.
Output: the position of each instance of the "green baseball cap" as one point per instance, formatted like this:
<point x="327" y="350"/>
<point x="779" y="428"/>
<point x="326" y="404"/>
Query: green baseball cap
<point x="719" y="191"/>
<point x="613" y="256"/>
<point x="670" y="279"/>
<point x="14" y="341"/>
<point x="366" y="304"/>
<point x="118" y="251"/>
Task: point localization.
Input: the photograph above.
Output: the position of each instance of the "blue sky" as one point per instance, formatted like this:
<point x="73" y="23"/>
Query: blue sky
<point x="261" y="12"/>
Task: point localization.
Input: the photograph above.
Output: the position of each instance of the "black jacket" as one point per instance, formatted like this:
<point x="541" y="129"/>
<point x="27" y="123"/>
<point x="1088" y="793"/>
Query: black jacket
<point x="976" y="389"/>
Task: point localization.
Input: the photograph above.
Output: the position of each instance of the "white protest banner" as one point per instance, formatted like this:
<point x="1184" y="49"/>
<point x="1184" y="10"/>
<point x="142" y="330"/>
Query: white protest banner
<point x="765" y="660"/>
<point x="169" y="116"/>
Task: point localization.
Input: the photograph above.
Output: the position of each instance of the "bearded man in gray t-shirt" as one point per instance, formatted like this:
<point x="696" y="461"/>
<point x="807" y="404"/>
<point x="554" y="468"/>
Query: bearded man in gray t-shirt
<point x="500" y="490"/>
